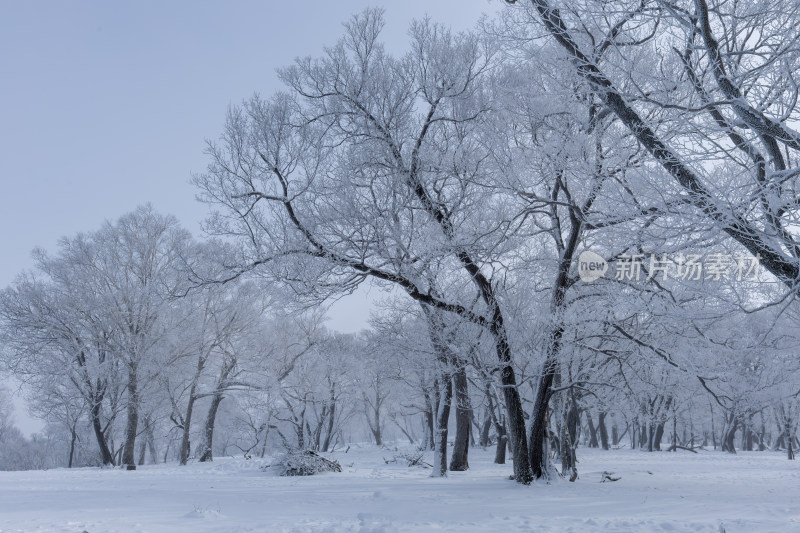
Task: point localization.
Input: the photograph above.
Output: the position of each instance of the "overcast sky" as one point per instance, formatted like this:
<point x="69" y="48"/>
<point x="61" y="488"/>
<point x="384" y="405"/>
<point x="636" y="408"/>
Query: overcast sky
<point x="106" y="105"/>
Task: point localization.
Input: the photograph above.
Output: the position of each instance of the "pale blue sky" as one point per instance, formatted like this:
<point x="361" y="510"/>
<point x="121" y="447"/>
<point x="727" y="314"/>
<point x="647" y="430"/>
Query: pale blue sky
<point x="106" y="105"/>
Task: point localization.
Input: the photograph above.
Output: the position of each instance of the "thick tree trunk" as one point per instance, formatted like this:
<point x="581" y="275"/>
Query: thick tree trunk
<point x="207" y="445"/>
<point x="569" y="439"/>
<point x="430" y="431"/>
<point x="317" y="434"/>
<point x="728" y="433"/>
<point x="538" y="442"/>
<point x="500" y="448"/>
<point x="473" y="426"/>
<point x="430" y="437"/>
<point x="538" y="436"/>
<point x="516" y="432"/>
<point x="375" y="425"/>
<point x="601" y="428"/>
<point x="97" y="426"/>
<point x="147" y="441"/>
<point x="142" y="451"/>
<point x="151" y="443"/>
<point x="538" y="455"/>
<point x="443" y="416"/>
<point x="486" y="427"/>
<point x="675" y="433"/>
<point x="72" y="438"/>
<point x="592" y="431"/>
<point x="187" y="424"/>
<point x="129" y="448"/>
<point x="459" y="460"/>
<point x="659" y="434"/>
<point x="206" y="450"/>
<point x="185" y="449"/>
<point x="444" y="385"/>
<point x="376" y="434"/>
<point x="713" y="430"/>
<point x="747" y="437"/>
<point x="499" y="426"/>
<point x="299" y="428"/>
<point x="331" y="419"/>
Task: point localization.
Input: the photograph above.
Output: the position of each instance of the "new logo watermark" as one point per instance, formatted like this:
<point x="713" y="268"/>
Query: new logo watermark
<point x="684" y="267"/>
<point x="591" y="266"/>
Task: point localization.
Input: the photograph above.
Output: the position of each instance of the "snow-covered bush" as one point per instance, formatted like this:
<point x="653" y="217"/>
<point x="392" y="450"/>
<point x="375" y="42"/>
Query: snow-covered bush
<point x="305" y="463"/>
<point x="412" y="458"/>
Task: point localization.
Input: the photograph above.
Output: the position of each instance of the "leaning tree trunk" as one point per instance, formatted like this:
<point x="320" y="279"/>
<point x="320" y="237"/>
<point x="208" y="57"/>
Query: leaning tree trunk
<point x="187" y="424"/>
<point x="538" y="435"/>
<point x="538" y="441"/>
<point x="187" y="420"/>
<point x="374" y="419"/>
<point x="206" y="452"/>
<point x="515" y="419"/>
<point x="129" y="449"/>
<point x="499" y="426"/>
<point x="207" y="445"/>
<point x="459" y="460"/>
<point x="97" y="426"/>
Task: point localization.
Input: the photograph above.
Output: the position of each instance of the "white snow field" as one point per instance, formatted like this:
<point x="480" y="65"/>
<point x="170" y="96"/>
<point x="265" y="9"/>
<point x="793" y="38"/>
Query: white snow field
<point x="671" y="492"/>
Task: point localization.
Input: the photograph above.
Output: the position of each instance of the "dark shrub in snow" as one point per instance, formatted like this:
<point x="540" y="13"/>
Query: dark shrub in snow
<point x="305" y="463"/>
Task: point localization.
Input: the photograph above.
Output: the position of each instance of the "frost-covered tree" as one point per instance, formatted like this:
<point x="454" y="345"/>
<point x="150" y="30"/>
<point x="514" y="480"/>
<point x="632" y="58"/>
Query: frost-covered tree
<point x="99" y="312"/>
<point x="718" y="114"/>
<point x="363" y="170"/>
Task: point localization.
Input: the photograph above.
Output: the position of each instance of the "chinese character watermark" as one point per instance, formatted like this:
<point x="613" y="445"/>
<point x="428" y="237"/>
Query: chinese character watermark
<point x="688" y="267"/>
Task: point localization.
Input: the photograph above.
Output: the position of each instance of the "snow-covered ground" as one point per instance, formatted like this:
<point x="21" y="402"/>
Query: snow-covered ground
<point x="683" y="492"/>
